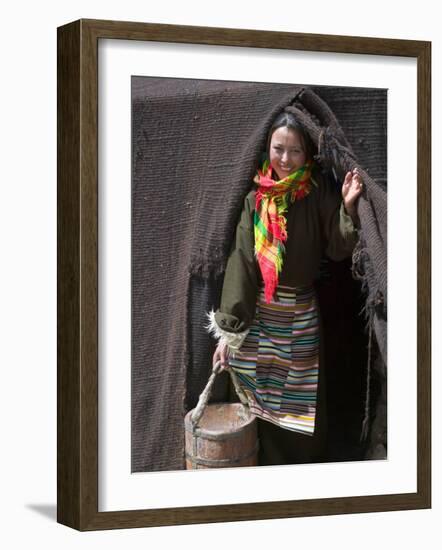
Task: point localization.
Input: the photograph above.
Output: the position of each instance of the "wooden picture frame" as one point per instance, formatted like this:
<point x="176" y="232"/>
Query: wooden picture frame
<point x="77" y="458"/>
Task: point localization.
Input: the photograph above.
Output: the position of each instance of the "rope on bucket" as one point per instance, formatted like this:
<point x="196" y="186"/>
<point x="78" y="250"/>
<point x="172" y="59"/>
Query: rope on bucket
<point x="205" y="394"/>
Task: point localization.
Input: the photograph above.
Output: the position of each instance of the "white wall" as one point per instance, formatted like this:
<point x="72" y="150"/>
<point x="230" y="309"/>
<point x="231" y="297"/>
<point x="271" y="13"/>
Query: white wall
<point x="28" y="274"/>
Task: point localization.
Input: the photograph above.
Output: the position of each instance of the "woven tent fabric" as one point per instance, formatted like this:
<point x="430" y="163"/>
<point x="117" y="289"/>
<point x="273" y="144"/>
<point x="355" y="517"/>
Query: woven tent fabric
<point x="196" y="146"/>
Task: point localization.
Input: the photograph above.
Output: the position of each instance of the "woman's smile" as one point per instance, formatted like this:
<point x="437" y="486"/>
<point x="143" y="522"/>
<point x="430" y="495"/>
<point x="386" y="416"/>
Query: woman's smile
<point x="285" y="168"/>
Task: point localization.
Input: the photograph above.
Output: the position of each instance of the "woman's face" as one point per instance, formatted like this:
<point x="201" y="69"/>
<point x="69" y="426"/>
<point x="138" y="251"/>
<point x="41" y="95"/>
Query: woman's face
<point x="286" y="152"/>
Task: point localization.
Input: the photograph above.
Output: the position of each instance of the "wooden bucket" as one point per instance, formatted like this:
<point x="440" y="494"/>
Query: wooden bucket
<point x="220" y="435"/>
<point x="226" y="437"/>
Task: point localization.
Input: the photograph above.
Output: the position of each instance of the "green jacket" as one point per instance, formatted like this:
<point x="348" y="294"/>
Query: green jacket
<point x="316" y="224"/>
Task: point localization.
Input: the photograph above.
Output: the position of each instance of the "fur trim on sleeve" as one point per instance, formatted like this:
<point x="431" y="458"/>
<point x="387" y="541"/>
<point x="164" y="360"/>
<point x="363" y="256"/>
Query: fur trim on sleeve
<point x="232" y="340"/>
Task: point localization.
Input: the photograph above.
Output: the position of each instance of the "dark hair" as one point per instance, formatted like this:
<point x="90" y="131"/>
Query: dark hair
<point x="287" y="120"/>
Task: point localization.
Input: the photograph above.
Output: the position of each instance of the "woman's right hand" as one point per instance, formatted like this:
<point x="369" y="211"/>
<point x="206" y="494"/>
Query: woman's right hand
<point x="221" y="354"/>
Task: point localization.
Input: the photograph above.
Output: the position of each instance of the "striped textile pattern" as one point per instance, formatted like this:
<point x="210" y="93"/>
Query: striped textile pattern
<point x="277" y="365"/>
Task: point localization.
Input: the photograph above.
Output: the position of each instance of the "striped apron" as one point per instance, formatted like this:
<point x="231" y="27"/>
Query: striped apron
<point x="277" y="365"/>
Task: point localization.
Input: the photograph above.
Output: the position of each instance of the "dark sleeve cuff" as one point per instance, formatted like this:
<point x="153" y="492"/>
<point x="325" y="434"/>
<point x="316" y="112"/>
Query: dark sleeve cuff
<point x="346" y="223"/>
<point x="227" y="328"/>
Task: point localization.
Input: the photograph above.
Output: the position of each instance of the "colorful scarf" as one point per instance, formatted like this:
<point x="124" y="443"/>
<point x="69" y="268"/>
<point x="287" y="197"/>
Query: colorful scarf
<point x="270" y="222"/>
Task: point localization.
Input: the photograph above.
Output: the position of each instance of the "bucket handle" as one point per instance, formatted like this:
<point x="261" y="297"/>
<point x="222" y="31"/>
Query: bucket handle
<point x="205" y="394"/>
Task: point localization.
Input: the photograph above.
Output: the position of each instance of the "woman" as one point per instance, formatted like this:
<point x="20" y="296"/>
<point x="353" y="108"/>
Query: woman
<point x="268" y="322"/>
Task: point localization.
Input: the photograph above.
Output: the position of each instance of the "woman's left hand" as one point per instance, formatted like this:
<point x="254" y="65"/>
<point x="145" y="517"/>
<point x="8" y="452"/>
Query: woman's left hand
<point x="351" y="189"/>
